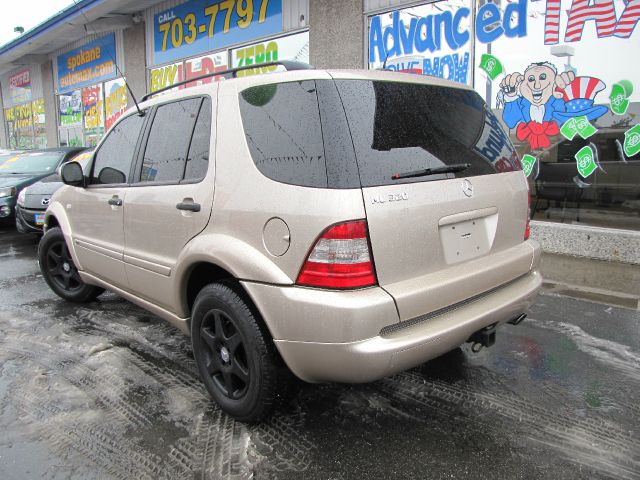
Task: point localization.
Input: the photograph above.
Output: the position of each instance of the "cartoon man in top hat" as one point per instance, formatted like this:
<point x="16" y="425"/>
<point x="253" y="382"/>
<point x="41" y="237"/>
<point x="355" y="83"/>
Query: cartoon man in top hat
<point x="540" y="101"/>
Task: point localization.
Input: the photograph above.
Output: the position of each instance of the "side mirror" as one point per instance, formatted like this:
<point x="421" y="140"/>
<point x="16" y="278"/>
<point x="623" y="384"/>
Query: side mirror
<point x="72" y="174"/>
<point x="110" y="176"/>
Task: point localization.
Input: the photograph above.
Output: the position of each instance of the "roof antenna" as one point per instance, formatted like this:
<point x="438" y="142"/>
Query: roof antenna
<point x="384" y="64"/>
<point x="115" y="63"/>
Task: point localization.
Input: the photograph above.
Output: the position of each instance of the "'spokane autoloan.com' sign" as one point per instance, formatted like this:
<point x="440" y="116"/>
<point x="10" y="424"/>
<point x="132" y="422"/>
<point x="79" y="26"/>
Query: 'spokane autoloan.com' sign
<point x="92" y="63"/>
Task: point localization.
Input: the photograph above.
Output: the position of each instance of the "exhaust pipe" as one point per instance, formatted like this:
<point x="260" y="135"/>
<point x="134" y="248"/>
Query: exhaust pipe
<point x="518" y="320"/>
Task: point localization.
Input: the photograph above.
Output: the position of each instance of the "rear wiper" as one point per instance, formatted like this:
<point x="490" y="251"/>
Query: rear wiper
<point x="458" y="167"/>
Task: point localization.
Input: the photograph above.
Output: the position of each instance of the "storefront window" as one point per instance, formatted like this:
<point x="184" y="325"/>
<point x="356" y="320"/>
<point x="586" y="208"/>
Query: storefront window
<point x="25" y="119"/>
<point x="71" y="118"/>
<point x="558" y="75"/>
<point x="570" y="96"/>
<point x="83" y="87"/>
<point x="39" y="129"/>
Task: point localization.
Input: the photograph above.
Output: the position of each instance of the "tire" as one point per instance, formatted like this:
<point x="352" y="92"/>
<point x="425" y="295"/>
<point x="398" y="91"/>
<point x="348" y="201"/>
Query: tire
<point x="236" y="357"/>
<point x="60" y="272"/>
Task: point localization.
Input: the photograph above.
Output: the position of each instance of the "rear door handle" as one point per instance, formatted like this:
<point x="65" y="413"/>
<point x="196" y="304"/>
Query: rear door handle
<point x="115" y="201"/>
<point x="188" y="206"/>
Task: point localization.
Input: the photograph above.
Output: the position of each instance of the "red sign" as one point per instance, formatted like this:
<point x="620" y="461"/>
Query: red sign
<point x="20" y="79"/>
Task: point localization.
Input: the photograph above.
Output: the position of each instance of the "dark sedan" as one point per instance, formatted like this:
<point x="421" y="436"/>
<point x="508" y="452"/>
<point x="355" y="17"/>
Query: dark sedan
<point x="34" y="200"/>
<point x="27" y="168"/>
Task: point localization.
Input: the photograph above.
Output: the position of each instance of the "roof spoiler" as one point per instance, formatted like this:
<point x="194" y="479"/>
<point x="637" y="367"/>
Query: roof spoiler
<point x="232" y="73"/>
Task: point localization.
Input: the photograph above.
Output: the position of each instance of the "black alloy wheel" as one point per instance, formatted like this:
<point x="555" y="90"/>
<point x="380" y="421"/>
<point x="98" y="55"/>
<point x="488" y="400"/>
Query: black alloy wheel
<point x="59" y="270"/>
<point x="225" y="354"/>
<point x="236" y="357"/>
<point x="61" y="267"/>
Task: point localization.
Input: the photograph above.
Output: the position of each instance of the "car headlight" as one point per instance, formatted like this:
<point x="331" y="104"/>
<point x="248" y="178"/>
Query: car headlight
<point x="7" y="192"/>
<point x="21" y="196"/>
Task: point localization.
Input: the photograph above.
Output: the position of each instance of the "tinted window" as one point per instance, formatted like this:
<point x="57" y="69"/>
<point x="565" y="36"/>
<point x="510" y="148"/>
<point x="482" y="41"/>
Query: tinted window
<point x="282" y="128"/>
<point x="402" y="127"/>
<point x="198" y="157"/>
<point x="113" y="159"/>
<point x="164" y="157"/>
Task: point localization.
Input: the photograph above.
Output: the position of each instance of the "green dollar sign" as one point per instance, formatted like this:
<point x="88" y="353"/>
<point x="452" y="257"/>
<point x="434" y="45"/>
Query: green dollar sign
<point x="632" y="141"/>
<point x="584" y="127"/>
<point x="585" y="161"/>
<point x="619" y="97"/>
<point x="491" y="65"/>
<point x="569" y="129"/>
<point x="528" y="161"/>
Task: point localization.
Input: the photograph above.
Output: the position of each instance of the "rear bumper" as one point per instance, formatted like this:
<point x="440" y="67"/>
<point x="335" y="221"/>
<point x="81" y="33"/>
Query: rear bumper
<point x="403" y="345"/>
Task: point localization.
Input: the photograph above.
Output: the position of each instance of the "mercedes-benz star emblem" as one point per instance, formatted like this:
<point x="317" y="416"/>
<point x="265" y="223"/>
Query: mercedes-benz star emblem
<point x="45" y="201"/>
<point x="467" y="187"/>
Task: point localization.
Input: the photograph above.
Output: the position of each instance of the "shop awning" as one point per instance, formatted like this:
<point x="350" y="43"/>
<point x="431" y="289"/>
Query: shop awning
<point x="71" y="24"/>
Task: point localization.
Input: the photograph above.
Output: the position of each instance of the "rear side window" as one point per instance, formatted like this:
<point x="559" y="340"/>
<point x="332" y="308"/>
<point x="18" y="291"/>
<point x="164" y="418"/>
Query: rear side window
<point x="403" y="127"/>
<point x="114" y="157"/>
<point x="168" y="141"/>
<point x="282" y="128"/>
<point x="198" y="157"/>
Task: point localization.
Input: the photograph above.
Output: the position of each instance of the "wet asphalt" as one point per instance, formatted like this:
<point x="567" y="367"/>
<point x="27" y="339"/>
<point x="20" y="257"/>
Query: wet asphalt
<point x="107" y="390"/>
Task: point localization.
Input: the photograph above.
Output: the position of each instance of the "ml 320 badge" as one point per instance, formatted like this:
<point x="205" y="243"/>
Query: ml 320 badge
<point x="392" y="197"/>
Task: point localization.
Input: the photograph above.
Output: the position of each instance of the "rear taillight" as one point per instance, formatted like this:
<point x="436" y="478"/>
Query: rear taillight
<point x="527" y="228"/>
<point x="340" y="258"/>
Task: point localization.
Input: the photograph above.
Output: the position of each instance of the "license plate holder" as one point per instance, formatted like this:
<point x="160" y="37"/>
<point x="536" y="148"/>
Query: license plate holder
<point x="467" y="239"/>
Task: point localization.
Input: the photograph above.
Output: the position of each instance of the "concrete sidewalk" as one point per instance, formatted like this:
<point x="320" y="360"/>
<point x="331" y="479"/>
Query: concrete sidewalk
<point x="612" y="283"/>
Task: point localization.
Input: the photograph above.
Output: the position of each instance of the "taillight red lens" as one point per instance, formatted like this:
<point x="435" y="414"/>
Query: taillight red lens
<point x="527" y="228"/>
<point x="340" y="258"/>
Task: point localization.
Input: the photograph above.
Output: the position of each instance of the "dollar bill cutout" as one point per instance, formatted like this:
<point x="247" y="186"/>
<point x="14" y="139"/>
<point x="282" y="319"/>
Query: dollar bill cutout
<point x="569" y="129"/>
<point x="584" y="127"/>
<point x="491" y="65"/>
<point x="528" y="162"/>
<point x="619" y="97"/>
<point x="632" y="141"/>
<point x="585" y="161"/>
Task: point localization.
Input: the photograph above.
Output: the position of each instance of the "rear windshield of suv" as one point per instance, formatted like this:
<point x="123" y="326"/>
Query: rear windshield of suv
<point x="352" y="133"/>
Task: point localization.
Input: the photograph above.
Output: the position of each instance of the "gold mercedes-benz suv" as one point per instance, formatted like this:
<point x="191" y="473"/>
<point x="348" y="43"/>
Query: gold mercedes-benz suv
<point x="338" y="225"/>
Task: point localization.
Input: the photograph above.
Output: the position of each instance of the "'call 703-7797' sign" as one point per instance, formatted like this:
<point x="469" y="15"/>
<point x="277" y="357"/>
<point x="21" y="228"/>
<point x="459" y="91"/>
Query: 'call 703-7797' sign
<point x="204" y="25"/>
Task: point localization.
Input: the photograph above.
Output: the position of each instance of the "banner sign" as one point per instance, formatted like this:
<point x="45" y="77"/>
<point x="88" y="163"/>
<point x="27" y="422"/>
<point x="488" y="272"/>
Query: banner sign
<point x="293" y="47"/>
<point x="199" y="26"/>
<point x="93" y="107"/>
<point x="166" y="76"/>
<point x="71" y="108"/>
<point x="202" y="65"/>
<point x="21" y="116"/>
<point x="20" y="87"/>
<point x="38" y="111"/>
<point x="171" y="74"/>
<point x="115" y="93"/>
<point x="89" y="64"/>
<point x="434" y="39"/>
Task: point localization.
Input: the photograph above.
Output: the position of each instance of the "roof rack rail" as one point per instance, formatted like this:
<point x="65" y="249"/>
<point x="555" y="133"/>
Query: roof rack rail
<point x="231" y="73"/>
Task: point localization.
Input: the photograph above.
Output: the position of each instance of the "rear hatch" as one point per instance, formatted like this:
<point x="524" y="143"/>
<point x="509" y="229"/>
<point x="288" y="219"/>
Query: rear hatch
<point x="443" y="238"/>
